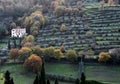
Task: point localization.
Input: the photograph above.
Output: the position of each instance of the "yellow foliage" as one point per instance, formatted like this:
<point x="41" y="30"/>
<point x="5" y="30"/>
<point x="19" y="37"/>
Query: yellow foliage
<point x="24" y="52"/>
<point x="58" y="53"/>
<point x="30" y="38"/>
<point x="63" y="27"/>
<point x="104" y="56"/>
<point x="71" y="55"/>
<point x="27" y="44"/>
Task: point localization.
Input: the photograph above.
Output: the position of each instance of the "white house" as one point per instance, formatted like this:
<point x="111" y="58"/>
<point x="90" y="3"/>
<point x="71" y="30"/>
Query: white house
<point x="18" y="32"/>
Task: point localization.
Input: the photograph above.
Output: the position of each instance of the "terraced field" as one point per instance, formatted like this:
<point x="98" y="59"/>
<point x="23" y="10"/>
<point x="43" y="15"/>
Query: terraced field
<point x="105" y="25"/>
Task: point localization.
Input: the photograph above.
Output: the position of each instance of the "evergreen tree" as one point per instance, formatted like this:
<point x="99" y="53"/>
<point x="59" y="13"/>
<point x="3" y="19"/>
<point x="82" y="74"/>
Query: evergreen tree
<point x="48" y="82"/>
<point x="9" y="46"/>
<point x="8" y="80"/>
<point x="43" y="79"/>
<point x="14" y="41"/>
<point x="11" y="81"/>
<point x="36" y="81"/>
<point x="56" y="81"/>
<point x="77" y="81"/>
<point x="83" y="78"/>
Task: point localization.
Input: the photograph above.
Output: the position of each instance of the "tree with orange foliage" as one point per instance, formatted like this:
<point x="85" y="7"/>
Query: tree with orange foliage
<point x="110" y="2"/>
<point x="14" y="53"/>
<point x="24" y="53"/>
<point x="104" y="57"/>
<point x="33" y="63"/>
<point x="62" y="48"/>
<point x="28" y="44"/>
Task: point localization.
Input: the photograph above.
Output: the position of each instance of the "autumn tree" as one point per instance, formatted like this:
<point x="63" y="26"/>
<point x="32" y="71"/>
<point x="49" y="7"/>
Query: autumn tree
<point x="59" y="10"/>
<point x="71" y="55"/>
<point x="13" y="25"/>
<point x="49" y="52"/>
<point x="104" y="57"/>
<point x="62" y="48"/>
<point x="79" y="4"/>
<point x="63" y="28"/>
<point x="110" y="2"/>
<point x="89" y="33"/>
<point x="54" y="4"/>
<point x="54" y="30"/>
<point x="58" y="53"/>
<point x="24" y="53"/>
<point x="31" y="21"/>
<point x="33" y="63"/>
<point x="37" y="50"/>
<point x="102" y="2"/>
<point x="28" y="44"/>
<point x="36" y="7"/>
<point x="29" y="40"/>
<point x="14" y="53"/>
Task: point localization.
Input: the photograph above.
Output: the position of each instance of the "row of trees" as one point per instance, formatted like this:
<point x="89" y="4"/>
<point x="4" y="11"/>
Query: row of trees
<point x="61" y="8"/>
<point x="15" y="7"/>
<point x="23" y="53"/>
<point x="109" y="2"/>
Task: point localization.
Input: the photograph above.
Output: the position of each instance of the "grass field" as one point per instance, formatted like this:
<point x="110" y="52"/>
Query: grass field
<point x="108" y="74"/>
<point x="100" y="73"/>
<point x="20" y="76"/>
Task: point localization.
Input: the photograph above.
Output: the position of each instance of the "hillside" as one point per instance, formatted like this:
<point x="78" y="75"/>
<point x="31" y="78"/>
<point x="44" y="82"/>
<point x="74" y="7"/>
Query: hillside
<point x="104" y="24"/>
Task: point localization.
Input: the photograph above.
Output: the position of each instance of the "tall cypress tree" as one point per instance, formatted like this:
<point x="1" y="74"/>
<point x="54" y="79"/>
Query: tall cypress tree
<point x="43" y="78"/>
<point x="9" y="46"/>
<point x="56" y="81"/>
<point x="8" y="80"/>
<point x="83" y="78"/>
<point x="11" y="81"/>
<point x="36" y="81"/>
<point x="77" y="81"/>
<point x="14" y="41"/>
<point x="48" y="82"/>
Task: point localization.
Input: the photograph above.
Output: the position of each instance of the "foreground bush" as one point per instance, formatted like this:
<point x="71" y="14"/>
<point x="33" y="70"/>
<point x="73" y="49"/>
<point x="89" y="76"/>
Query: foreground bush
<point x="33" y="63"/>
